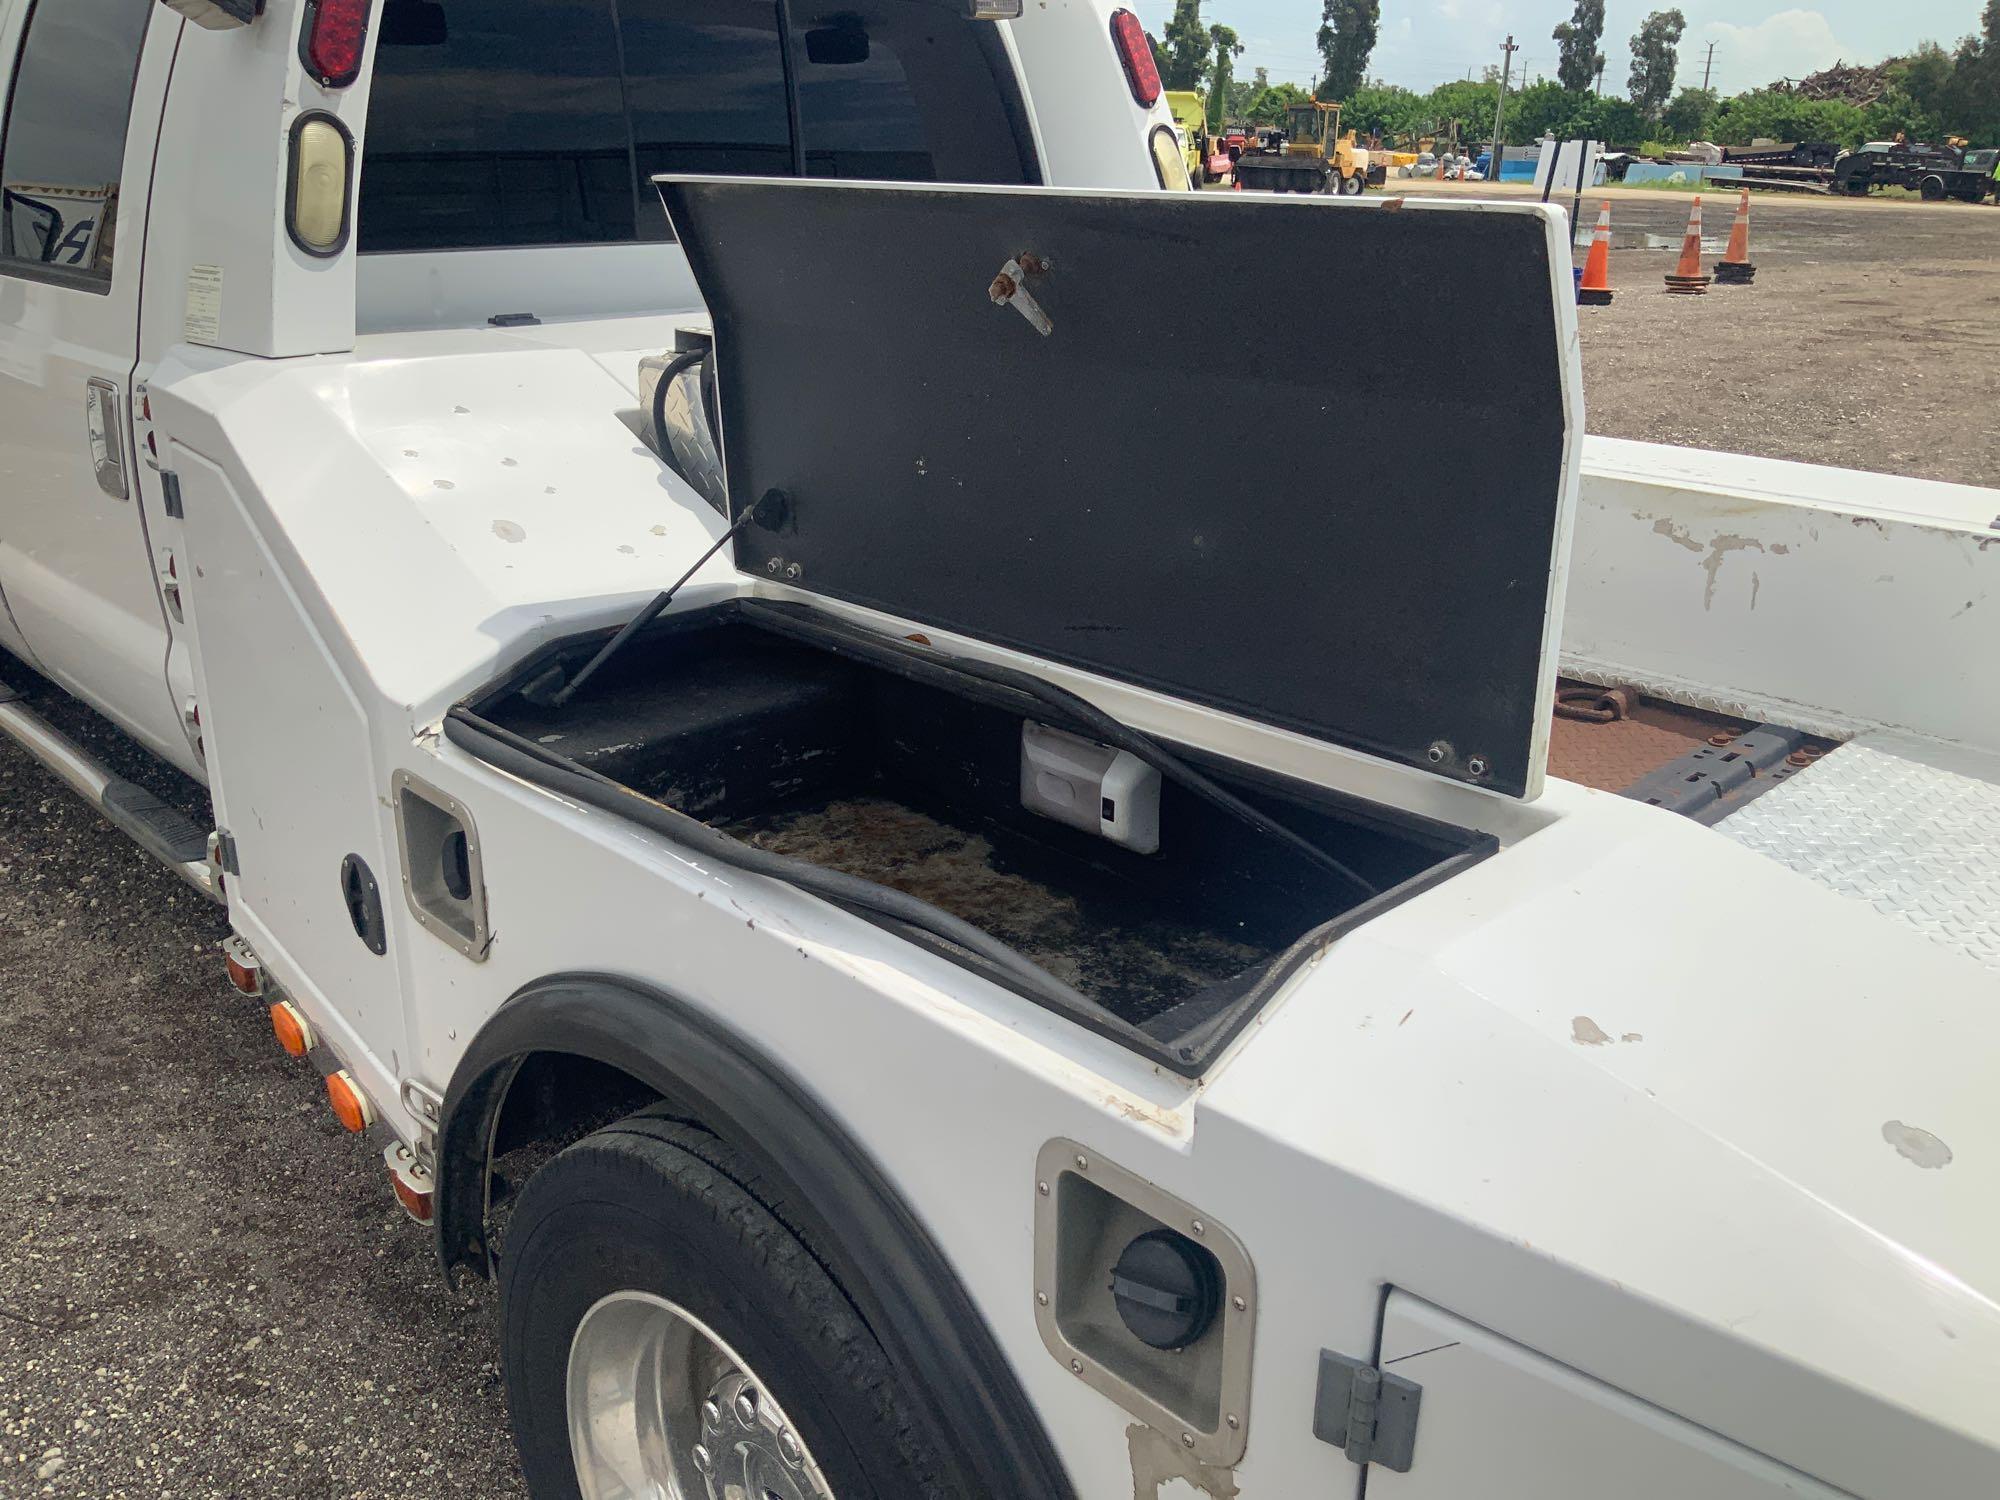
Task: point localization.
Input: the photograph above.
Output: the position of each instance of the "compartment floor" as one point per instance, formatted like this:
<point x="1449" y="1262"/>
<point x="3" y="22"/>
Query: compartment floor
<point x="1135" y="964"/>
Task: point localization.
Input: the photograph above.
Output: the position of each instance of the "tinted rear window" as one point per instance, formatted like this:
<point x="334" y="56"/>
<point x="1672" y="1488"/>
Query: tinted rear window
<point x="63" y="147"/>
<point x="540" y="122"/>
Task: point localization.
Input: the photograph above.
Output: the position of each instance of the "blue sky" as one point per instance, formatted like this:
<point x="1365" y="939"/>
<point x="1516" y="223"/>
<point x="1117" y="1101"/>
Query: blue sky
<point x="1424" y="42"/>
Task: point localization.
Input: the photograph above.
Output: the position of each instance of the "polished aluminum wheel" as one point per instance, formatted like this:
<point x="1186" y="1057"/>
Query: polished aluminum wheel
<point x="660" y="1408"/>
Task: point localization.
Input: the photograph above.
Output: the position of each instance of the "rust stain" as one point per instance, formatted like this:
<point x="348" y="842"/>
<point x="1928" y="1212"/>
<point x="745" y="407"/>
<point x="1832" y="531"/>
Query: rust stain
<point x="1718" y="549"/>
<point x="1665" y="527"/>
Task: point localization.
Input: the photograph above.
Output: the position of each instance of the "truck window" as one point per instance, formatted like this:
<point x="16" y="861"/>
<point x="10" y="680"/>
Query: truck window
<point x="527" y="123"/>
<point x="63" y="145"/>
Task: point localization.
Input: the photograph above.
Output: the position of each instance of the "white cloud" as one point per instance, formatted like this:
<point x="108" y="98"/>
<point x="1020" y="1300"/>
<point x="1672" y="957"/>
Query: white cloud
<point x="1483" y="15"/>
<point x="1789" y="44"/>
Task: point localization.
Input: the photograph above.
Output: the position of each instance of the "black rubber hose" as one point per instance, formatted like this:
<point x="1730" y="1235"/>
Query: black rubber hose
<point x="679" y="365"/>
<point x="511" y="753"/>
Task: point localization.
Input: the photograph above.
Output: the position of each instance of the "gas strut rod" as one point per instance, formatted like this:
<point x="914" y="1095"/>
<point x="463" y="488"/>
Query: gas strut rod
<point x="769" y="512"/>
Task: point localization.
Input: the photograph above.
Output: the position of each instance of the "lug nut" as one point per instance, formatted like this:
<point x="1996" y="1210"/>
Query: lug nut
<point x="703" y="1459"/>
<point x="711" y="1415"/>
<point x="746" y="1407"/>
<point x="789" y="1448"/>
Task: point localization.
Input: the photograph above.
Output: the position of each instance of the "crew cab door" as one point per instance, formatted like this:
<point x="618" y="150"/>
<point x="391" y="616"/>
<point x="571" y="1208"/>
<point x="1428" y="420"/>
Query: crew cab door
<point x="75" y="566"/>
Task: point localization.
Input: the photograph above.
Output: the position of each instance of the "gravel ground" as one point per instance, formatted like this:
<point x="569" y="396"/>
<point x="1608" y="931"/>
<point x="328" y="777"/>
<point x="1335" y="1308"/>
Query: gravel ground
<point x="206" y="1289"/>
<point x="1870" y="338"/>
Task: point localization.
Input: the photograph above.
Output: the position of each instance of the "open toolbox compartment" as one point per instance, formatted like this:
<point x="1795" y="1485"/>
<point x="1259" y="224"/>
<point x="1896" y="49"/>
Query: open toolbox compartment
<point x="960" y="407"/>
<point x="802" y="737"/>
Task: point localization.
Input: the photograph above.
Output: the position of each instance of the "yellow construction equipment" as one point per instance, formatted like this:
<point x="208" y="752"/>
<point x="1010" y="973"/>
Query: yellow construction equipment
<point x="1310" y="155"/>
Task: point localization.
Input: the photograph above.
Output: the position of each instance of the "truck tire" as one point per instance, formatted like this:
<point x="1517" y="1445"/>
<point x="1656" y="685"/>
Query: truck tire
<point x="1931" y="189"/>
<point x="1350" y="187"/>
<point x="644" y="1252"/>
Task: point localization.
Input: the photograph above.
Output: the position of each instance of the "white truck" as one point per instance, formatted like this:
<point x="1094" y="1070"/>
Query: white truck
<point x="1054" y="964"/>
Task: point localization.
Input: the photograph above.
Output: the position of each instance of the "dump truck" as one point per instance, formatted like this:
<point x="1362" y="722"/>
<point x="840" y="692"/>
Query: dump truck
<point x="970" y="947"/>
<point x="1309" y="154"/>
<point x="1207" y="160"/>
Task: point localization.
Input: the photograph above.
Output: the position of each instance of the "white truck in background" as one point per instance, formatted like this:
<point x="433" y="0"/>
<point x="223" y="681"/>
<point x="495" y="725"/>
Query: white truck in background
<point x="1048" y="967"/>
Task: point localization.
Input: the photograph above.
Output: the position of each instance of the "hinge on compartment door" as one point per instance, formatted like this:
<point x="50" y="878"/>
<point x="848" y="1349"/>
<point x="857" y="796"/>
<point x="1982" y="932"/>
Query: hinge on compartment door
<point x="1367" y="1413"/>
<point x="170" y="494"/>
<point x="222" y="852"/>
<point x="427" y="1104"/>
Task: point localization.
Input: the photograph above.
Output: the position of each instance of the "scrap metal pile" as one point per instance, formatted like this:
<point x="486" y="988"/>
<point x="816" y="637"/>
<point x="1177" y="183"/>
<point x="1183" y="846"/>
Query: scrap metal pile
<point x="1847" y="83"/>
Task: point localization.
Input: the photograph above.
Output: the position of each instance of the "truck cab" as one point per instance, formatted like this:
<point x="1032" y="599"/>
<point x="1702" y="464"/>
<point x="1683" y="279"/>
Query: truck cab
<point x="470" y="188"/>
<point x="963" y="948"/>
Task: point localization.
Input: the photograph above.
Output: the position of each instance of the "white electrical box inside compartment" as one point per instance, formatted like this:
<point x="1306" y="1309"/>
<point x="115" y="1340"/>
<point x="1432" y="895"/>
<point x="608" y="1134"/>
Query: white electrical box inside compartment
<point x="1111" y="793"/>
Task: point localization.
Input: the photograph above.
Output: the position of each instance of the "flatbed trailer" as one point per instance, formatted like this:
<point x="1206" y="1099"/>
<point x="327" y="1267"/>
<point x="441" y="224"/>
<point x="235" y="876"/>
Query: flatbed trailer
<point x="1934" y="173"/>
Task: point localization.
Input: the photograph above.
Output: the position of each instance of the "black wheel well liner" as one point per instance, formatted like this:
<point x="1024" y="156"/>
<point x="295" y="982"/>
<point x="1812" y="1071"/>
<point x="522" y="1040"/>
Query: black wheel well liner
<point x="850" y="1213"/>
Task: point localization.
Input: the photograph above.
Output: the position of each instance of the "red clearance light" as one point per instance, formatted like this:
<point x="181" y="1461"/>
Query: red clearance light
<point x="331" y="44"/>
<point x="1137" y="54"/>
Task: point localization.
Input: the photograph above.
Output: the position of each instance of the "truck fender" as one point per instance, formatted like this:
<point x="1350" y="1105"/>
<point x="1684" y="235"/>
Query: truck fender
<point x="837" y="1198"/>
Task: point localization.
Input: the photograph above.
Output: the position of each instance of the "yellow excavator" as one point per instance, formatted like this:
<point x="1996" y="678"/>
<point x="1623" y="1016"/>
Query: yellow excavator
<point x="1309" y="155"/>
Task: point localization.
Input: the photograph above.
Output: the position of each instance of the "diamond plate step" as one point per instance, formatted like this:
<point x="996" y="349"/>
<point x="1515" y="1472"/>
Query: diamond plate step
<point x="1913" y="829"/>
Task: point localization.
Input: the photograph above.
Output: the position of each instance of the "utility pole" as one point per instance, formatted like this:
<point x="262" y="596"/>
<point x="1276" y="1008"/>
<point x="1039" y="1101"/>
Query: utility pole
<point x="1708" y="67"/>
<point x="1507" y="52"/>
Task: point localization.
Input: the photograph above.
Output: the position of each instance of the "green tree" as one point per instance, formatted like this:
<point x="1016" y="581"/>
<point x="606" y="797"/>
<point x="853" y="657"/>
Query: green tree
<point x="1540" y="109"/>
<point x="1269" y="107"/>
<point x="1972" y="106"/>
<point x="1395" y="112"/>
<point x="1580" y="63"/>
<point x="1926" y="77"/>
<point x="1469" y="103"/>
<point x="1655" y="58"/>
<point x="1614" y="121"/>
<point x="1221" y="81"/>
<point x="1186" y="48"/>
<point x="1346" y="39"/>
<point x="1690" y="114"/>
<point x="1770" y="114"/>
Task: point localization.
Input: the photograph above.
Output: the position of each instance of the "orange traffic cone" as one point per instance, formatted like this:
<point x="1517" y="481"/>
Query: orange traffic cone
<point x="1595" y="288"/>
<point x="1734" y="269"/>
<point x="1686" y="277"/>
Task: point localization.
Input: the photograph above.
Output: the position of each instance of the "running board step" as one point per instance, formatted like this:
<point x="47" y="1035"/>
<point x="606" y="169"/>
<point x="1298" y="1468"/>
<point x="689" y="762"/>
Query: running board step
<point x="163" y="831"/>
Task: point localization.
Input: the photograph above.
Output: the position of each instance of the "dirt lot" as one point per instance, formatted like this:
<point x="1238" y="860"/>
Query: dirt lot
<point x="205" y="1288"/>
<point x="1870" y="338"/>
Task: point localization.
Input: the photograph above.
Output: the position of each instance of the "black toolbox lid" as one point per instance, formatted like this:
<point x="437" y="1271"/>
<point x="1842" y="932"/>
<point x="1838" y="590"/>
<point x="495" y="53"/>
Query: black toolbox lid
<point x="1306" y="461"/>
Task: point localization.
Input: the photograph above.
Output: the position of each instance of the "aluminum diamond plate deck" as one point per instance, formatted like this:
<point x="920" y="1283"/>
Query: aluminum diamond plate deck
<point x="1911" y="829"/>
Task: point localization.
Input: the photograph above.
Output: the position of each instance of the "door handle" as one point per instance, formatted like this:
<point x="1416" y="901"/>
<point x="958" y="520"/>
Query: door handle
<point x="105" y="424"/>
